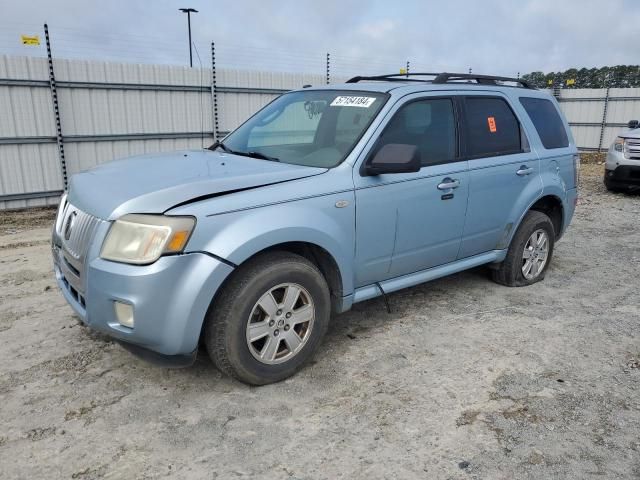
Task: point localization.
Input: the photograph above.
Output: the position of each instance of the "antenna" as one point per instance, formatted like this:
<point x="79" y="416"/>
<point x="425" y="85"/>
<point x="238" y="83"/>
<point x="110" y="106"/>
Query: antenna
<point x="200" y="94"/>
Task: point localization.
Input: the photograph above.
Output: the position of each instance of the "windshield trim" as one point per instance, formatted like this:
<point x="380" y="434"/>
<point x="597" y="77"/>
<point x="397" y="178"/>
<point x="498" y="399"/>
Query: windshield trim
<point x="385" y="96"/>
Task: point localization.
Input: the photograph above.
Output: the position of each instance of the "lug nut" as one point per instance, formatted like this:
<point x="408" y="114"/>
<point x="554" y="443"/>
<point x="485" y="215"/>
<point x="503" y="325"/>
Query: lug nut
<point x="288" y="315"/>
<point x="279" y="312"/>
<point x="286" y="328"/>
<point x="276" y="332"/>
<point x="272" y="323"/>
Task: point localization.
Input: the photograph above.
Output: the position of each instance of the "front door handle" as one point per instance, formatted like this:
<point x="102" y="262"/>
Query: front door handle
<point x="448" y="183"/>
<point x="524" y="170"/>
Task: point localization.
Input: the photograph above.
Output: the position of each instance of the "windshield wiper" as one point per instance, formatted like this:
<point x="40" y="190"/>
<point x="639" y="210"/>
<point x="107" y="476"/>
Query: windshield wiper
<point x="251" y="154"/>
<point x="259" y="155"/>
<point x="217" y="144"/>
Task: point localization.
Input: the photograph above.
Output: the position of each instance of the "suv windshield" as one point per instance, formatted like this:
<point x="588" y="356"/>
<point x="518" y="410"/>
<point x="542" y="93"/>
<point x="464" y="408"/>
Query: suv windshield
<point x="315" y="128"/>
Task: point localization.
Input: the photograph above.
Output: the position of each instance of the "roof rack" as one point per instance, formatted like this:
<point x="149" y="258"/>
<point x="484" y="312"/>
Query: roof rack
<point x="444" y="77"/>
<point x="394" y="77"/>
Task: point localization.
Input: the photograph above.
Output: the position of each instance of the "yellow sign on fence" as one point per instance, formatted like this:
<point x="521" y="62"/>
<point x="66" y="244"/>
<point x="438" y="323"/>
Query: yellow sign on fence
<point x="571" y="81"/>
<point x="403" y="71"/>
<point x="30" y="39"/>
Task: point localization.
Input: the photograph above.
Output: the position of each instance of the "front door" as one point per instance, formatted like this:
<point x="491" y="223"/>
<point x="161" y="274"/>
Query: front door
<point x="413" y="221"/>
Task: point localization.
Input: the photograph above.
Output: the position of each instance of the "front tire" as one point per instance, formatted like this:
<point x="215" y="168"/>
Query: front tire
<point x="269" y="319"/>
<point x="611" y="188"/>
<point x="529" y="254"/>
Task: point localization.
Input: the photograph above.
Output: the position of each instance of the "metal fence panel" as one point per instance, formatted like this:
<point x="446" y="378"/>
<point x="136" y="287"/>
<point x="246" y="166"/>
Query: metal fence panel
<point x="28" y="168"/>
<point x="582" y="112"/>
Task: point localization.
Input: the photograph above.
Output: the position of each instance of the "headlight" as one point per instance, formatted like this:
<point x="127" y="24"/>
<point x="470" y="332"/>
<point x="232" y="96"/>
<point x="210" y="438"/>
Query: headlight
<point x="618" y="145"/>
<point x="142" y="239"/>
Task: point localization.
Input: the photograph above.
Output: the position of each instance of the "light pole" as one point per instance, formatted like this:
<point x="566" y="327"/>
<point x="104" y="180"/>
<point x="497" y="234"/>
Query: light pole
<point x="189" y="11"/>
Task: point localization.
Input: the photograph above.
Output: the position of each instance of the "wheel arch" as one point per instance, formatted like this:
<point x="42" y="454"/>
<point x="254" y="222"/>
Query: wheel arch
<point x="321" y="258"/>
<point x="551" y="205"/>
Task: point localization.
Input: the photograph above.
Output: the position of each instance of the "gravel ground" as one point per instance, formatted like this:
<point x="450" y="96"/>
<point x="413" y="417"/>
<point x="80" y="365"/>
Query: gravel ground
<point x="465" y="379"/>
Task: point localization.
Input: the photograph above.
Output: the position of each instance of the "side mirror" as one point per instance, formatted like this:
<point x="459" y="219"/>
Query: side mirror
<point x="633" y="124"/>
<point x="394" y="158"/>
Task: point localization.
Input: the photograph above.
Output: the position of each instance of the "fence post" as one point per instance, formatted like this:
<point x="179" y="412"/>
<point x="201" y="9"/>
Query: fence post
<point x="603" y="125"/>
<point x="56" y="109"/>
<point x="407" y="70"/>
<point x="328" y="70"/>
<point x="214" y="93"/>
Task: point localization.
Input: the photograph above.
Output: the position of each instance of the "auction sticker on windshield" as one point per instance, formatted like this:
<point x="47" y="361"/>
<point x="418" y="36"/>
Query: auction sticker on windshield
<point x="348" y="101"/>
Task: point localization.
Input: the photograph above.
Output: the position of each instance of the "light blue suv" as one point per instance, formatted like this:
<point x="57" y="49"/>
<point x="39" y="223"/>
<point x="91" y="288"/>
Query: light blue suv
<point x="326" y="197"/>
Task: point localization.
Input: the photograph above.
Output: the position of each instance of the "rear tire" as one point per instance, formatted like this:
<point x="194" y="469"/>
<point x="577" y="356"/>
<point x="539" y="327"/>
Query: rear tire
<point x="256" y="331"/>
<point x="533" y="242"/>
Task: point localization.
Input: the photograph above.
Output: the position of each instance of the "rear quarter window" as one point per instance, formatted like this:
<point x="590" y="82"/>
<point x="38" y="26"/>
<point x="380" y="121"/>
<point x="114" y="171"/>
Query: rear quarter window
<point x="491" y="127"/>
<point x="545" y="118"/>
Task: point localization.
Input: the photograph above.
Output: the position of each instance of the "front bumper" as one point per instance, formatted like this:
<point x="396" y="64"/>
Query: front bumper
<point x="623" y="176"/>
<point x="621" y="172"/>
<point x="170" y="299"/>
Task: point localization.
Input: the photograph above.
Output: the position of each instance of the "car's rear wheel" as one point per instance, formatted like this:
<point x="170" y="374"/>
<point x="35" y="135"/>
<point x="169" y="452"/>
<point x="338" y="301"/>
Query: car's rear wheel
<point x="269" y="319"/>
<point x="529" y="254"/>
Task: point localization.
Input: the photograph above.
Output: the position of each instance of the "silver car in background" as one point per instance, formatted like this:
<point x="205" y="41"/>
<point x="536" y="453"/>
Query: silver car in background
<point x="622" y="167"/>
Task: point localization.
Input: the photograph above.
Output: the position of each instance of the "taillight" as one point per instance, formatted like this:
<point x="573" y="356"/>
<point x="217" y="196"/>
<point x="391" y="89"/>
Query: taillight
<point x="576" y="169"/>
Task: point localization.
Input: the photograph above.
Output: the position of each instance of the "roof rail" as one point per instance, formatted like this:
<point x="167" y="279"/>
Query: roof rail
<point x="444" y="77"/>
<point x="394" y="77"/>
<point x="481" y="79"/>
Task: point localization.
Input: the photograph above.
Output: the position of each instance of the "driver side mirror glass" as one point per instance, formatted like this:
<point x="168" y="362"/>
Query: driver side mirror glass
<point x="394" y="158"/>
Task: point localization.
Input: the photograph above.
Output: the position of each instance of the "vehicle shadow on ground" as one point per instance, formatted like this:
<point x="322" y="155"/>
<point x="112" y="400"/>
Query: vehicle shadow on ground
<point x="365" y="319"/>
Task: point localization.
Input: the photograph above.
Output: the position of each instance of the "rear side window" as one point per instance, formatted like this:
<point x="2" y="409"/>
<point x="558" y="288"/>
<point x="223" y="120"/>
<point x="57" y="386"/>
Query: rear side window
<point x="548" y="123"/>
<point x="491" y="127"/>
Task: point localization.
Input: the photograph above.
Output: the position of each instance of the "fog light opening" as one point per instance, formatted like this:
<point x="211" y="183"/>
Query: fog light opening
<point x="124" y="314"/>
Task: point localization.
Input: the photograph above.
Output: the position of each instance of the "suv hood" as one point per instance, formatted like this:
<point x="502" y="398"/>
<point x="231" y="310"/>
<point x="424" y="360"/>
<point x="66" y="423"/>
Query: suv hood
<point x="155" y="183"/>
<point x="632" y="133"/>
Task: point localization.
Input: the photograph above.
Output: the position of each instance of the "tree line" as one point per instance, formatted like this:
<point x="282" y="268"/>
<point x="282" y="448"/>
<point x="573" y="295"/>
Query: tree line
<point x="620" y="76"/>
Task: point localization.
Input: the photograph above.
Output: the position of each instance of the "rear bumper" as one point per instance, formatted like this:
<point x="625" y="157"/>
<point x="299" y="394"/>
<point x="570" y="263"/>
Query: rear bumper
<point x="170" y="299"/>
<point x="569" y="208"/>
<point x="623" y="176"/>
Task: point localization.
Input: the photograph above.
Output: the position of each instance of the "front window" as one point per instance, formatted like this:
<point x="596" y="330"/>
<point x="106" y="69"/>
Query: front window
<point x="315" y="128"/>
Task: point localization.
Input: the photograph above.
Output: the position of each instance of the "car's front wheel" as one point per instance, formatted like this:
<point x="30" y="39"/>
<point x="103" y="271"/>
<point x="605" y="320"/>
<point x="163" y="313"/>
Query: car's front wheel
<point x="269" y="319"/>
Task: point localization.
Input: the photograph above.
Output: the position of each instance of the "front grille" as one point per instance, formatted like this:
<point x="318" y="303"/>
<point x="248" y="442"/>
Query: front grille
<point x="77" y="227"/>
<point x="74" y="231"/>
<point x="632" y="147"/>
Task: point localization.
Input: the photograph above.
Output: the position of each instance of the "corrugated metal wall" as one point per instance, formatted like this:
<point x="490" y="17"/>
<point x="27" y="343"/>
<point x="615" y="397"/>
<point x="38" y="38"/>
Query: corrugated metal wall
<point x="112" y="110"/>
<point x="592" y="127"/>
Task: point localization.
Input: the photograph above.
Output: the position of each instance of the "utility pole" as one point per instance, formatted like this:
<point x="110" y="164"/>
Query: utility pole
<point x="189" y="11"/>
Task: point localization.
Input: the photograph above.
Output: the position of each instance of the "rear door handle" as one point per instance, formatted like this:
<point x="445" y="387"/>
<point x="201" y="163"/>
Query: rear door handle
<point x="448" y="183"/>
<point x="524" y="170"/>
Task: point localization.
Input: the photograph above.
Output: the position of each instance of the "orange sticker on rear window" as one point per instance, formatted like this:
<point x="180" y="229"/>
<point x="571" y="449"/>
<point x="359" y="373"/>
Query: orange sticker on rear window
<point x="492" y="124"/>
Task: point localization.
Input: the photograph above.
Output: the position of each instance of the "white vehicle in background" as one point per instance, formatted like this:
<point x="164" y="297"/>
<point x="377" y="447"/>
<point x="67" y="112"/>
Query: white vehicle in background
<point x="622" y="168"/>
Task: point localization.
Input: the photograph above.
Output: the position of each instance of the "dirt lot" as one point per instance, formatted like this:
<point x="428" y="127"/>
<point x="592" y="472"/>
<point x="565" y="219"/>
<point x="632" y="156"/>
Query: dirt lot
<point x="465" y="379"/>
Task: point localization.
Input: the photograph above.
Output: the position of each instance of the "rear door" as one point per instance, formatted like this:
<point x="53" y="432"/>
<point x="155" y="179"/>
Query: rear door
<point x="502" y="168"/>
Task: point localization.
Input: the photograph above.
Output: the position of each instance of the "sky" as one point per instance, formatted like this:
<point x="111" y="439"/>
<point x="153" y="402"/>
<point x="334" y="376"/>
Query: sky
<point x="490" y="36"/>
